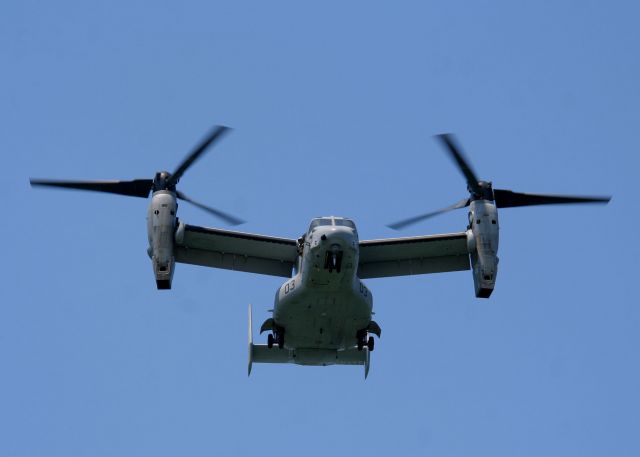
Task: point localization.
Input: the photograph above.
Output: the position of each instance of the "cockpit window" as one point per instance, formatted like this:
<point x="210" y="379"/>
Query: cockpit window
<point x="345" y="223"/>
<point x="319" y="222"/>
<point x="329" y="221"/>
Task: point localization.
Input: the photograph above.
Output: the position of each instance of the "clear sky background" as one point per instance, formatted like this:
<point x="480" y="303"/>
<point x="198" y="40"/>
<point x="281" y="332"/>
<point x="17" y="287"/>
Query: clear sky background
<point x="334" y="105"/>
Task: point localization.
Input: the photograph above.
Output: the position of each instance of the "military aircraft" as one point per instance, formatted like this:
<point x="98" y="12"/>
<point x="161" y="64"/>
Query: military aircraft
<point x="323" y="312"/>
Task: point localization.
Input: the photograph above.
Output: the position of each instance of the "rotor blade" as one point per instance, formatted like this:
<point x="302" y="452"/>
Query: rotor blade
<point x="135" y="188"/>
<point x="509" y="199"/>
<point x="231" y="220"/>
<point x="448" y="141"/>
<point x="216" y="133"/>
<point x="406" y="222"/>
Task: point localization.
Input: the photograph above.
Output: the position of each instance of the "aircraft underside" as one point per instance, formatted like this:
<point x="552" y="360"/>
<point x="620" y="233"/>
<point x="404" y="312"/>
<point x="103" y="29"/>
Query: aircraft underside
<point x="314" y="354"/>
<point x="329" y="320"/>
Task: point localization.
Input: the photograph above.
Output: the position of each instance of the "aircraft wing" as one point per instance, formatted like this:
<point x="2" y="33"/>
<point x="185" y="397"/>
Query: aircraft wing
<point x="233" y="250"/>
<point x="413" y="255"/>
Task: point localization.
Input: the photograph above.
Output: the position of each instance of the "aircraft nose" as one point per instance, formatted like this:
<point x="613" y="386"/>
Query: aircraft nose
<point x="341" y="236"/>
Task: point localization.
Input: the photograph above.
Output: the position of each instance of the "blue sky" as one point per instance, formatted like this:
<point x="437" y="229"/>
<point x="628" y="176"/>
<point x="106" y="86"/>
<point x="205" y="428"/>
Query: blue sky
<point x="334" y="106"/>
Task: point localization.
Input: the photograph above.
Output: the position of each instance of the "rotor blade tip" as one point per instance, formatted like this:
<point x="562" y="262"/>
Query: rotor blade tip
<point x="222" y="129"/>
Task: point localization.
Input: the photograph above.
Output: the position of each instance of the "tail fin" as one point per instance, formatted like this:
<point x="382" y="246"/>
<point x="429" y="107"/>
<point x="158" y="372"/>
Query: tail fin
<point x="367" y="359"/>
<point x="250" y="342"/>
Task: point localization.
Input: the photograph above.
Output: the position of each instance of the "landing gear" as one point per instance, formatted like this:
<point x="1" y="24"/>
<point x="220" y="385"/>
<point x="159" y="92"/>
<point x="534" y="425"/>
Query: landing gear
<point x="370" y="343"/>
<point x="276" y="338"/>
<point x="365" y="340"/>
<point x="361" y="337"/>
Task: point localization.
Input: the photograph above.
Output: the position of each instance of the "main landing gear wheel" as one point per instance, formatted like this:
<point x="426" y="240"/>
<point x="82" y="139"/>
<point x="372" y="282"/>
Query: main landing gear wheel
<point x="365" y="340"/>
<point x="370" y="343"/>
<point x="276" y="338"/>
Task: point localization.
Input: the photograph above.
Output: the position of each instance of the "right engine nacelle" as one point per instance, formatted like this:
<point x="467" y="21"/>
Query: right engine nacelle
<point x="161" y="225"/>
<point x="482" y="241"/>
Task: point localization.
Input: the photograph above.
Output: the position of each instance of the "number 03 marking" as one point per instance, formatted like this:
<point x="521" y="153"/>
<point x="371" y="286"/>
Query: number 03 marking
<point x="288" y="287"/>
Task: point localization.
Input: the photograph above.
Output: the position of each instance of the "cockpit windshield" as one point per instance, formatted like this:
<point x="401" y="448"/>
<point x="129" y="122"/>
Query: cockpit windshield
<point x="345" y="223"/>
<point x="329" y="221"/>
<point x="319" y="222"/>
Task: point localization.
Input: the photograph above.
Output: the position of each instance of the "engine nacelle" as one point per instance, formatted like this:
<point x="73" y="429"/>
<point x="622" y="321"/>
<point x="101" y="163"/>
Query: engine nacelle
<point x="161" y="225"/>
<point x="482" y="241"/>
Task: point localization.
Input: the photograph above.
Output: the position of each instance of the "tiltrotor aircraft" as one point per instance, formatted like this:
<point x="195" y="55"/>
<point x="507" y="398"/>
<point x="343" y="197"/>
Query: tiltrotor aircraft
<point x="323" y="312"/>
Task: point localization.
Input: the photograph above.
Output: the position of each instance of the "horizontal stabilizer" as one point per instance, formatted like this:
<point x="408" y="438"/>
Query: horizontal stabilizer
<point x="261" y="353"/>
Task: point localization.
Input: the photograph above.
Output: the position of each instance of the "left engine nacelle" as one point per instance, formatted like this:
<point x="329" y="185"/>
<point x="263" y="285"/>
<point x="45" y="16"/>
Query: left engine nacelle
<point x="482" y="241"/>
<point x="161" y="225"/>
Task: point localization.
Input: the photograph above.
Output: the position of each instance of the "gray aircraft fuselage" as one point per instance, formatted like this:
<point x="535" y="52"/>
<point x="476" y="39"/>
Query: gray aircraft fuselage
<point x="324" y="305"/>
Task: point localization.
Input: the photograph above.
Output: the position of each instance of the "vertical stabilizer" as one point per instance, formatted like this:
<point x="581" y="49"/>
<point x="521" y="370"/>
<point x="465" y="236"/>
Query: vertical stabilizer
<point x="250" y="343"/>
<point x="367" y="358"/>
